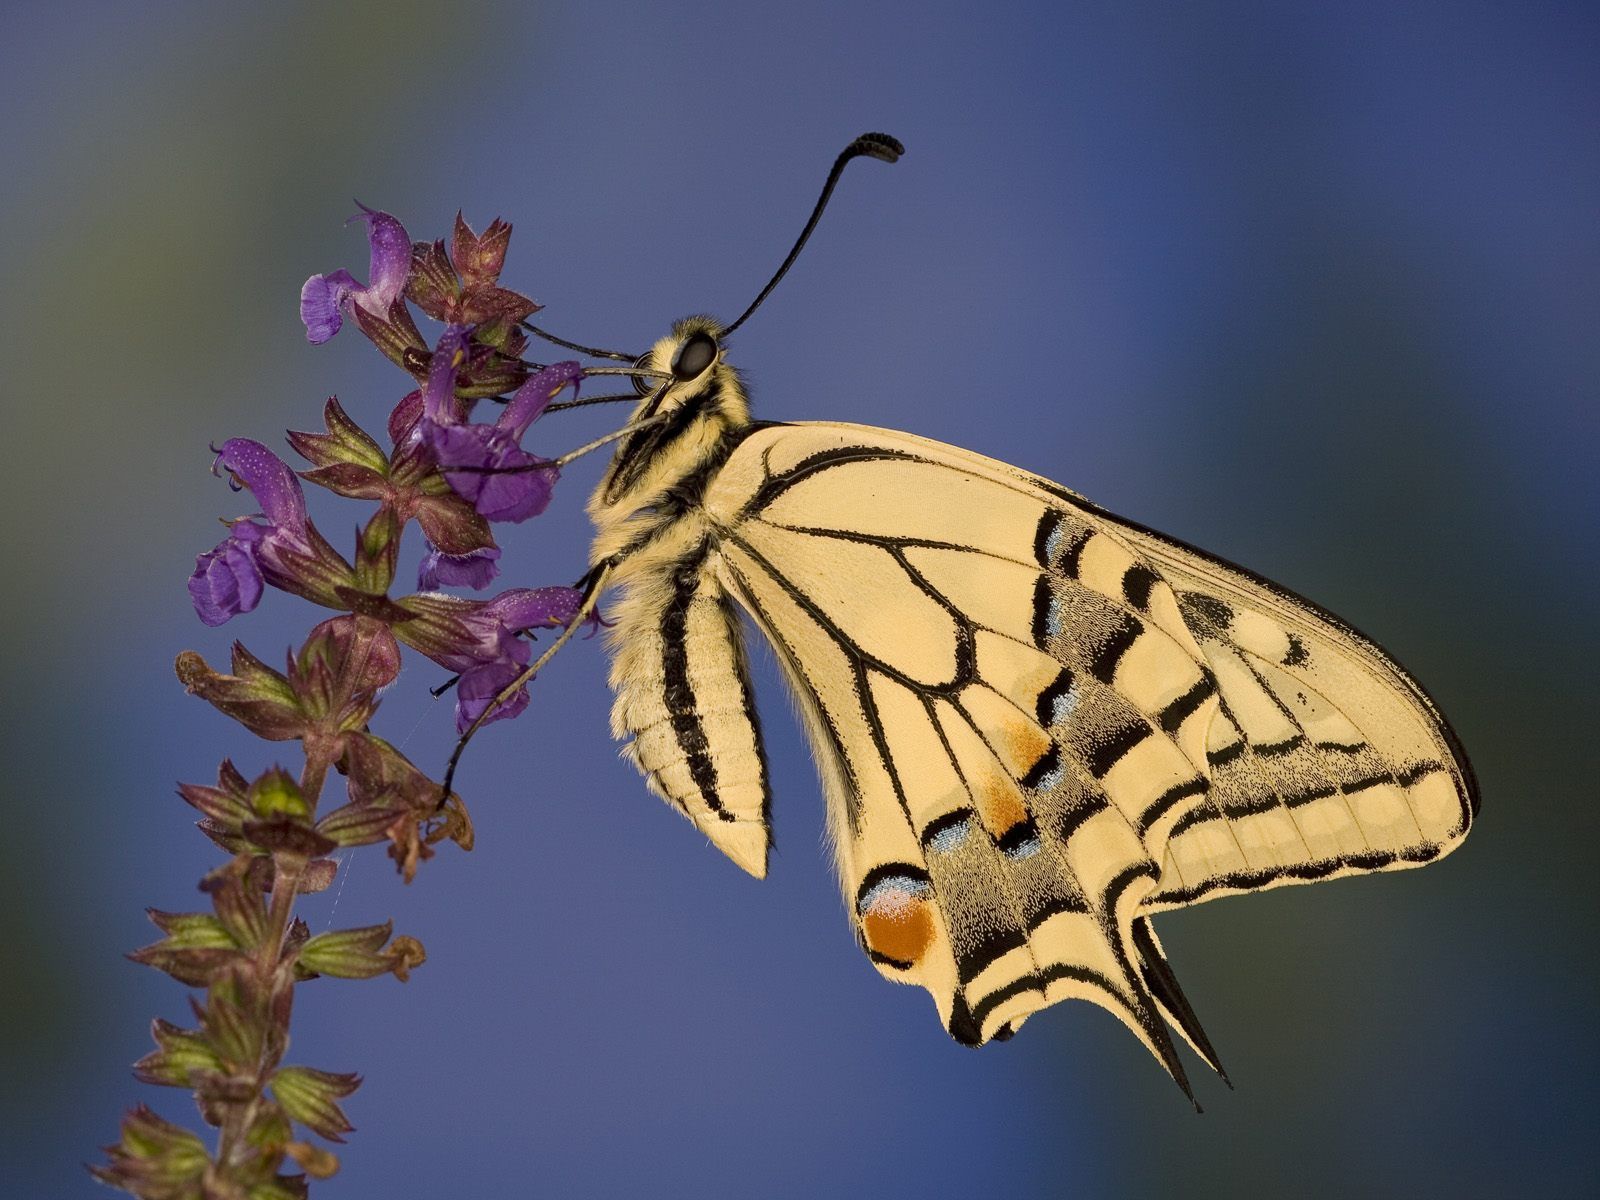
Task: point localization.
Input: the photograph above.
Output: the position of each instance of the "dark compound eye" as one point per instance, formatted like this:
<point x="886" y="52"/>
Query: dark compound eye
<point x="697" y="353"/>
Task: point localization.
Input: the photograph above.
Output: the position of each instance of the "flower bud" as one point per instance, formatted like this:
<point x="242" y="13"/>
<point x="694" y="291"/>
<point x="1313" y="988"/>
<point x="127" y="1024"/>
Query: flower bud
<point x="196" y="948"/>
<point x="309" y="1096"/>
<point x="237" y="898"/>
<point x="276" y="794"/>
<point x="345" y="460"/>
<point x="255" y="695"/>
<point x="342" y="666"/>
<point x="154" y="1158"/>
<point x="232" y="1017"/>
<point x="360" y="953"/>
<point x="181" y="1056"/>
<point x="377" y="552"/>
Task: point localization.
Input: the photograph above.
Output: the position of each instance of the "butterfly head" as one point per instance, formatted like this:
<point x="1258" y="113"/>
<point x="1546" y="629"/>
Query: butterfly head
<point x="690" y="403"/>
<point x="684" y="356"/>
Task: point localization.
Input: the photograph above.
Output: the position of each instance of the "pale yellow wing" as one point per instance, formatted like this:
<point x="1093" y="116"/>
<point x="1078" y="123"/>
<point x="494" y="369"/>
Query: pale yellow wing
<point x="1014" y="709"/>
<point x="1327" y="758"/>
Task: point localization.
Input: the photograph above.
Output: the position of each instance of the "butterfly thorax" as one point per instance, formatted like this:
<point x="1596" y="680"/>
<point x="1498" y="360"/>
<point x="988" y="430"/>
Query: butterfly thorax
<point x="651" y="493"/>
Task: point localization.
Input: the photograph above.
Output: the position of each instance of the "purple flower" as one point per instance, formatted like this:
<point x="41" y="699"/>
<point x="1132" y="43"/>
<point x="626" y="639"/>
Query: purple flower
<point x="501" y="480"/>
<point x="477" y="688"/>
<point x="479" y="640"/>
<point x="475" y="569"/>
<point x="228" y="579"/>
<point x="324" y="298"/>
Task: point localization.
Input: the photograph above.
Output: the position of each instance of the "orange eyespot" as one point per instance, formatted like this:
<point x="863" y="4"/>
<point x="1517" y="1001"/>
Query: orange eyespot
<point x="895" y="917"/>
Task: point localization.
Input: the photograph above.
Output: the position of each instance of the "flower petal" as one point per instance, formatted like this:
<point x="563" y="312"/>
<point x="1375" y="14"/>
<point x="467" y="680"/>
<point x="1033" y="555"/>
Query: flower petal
<point x="438" y="397"/>
<point x="477" y="688"/>
<point x="515" y="489"/>
<point x="320" y="300"/>
<point x="475" y="569"/>
<point x="391" y="260"/>
<point x="270" y="480"/>
<point x="534" y="608"/>
<point x="532" y="397"/>
<point x="225" y="582"/>
<point x="485" y="466"/>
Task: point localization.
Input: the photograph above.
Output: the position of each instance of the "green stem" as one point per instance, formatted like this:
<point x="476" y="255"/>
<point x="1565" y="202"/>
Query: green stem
<point x="233" y="1148"/>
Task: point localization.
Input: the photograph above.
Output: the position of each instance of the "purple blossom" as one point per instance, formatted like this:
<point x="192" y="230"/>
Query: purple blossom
<point x="477" y="688"/>
<point x="475" y="569"/>
<point x="325" y="298"/>
<point x="479" y="640"/>
<point x="228" y="579"/>
<point x="504" y="482"/>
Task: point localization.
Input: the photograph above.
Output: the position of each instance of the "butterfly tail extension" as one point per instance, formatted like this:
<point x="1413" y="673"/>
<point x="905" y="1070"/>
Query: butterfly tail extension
<point x="1163" y="985"/>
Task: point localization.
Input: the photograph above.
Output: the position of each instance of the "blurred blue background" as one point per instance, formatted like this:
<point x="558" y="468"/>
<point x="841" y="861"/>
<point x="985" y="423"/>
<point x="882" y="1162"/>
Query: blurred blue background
<point x="1314" y="286"/>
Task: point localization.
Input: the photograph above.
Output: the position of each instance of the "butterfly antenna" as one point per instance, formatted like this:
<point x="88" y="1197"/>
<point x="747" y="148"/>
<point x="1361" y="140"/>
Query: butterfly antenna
<point x="589" y="350"/>
<point x="871" y="145"/>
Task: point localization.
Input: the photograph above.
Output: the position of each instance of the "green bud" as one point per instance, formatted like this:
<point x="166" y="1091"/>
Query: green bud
<point x="378" y="551"/>
<point x="155" y="1158"/>
<point x="240" y="906"/>
<point x="233" y="1016"/>
<point x="255" y="695"/>
<point x="191" y="931"/>
<point x="345" y="444"/>
<point x="309" y="1096"/>
<point x="182" y="1055"/>
<point x="360" y="953"/>
<point x="359" y="824"/>
<point x="225" y="805"/>
<point x="276" y="794"/>
<point x="196" y="948"/>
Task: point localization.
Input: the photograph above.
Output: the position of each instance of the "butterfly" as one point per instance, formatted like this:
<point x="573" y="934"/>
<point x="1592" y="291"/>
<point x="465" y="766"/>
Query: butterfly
<point x="1038" y="725"/>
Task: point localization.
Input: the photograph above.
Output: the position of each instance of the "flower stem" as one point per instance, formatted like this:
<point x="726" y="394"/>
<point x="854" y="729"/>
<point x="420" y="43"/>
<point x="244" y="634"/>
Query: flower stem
<point x="276" y="977"/>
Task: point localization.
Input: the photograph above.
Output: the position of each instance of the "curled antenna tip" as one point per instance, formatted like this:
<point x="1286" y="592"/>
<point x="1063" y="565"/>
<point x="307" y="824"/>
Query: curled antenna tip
<point x="878" y="145"/>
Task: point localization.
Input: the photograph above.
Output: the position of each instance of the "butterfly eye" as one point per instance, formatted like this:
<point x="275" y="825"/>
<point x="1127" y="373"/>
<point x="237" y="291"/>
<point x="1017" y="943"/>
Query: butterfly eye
<point x="697" y="353"/>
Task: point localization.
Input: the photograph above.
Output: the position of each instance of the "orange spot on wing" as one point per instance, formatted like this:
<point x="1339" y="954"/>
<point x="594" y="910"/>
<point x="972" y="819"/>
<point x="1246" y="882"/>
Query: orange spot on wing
<point x="898" y="926"/>
<point x="1025" y="742"/>
<point x="1000" y="804"/>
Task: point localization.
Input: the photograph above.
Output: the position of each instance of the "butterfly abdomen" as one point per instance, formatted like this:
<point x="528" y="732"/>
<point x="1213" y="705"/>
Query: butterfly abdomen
<point x="683" y="703"/>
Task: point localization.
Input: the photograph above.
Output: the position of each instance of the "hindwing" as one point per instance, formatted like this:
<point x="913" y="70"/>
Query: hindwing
<point x="1038" y="724"/>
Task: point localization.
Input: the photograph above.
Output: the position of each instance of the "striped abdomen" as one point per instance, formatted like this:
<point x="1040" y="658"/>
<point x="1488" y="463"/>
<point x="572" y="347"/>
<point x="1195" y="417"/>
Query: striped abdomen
<point x="683" y="697"/>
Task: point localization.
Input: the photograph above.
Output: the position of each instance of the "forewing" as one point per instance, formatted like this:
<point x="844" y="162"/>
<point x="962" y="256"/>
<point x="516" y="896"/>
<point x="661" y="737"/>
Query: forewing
<point x="1326" y="758"/>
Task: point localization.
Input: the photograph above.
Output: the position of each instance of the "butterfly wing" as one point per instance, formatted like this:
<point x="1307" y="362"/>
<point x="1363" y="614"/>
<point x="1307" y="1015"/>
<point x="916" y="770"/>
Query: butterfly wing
<point x="1326" y="758"/>
<point x="1014" y="709"/>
